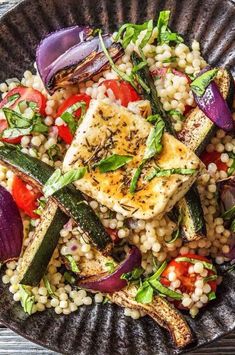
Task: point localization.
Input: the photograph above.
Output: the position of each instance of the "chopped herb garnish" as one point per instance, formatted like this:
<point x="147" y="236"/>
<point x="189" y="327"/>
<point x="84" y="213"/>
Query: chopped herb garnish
<point x="164" y="33"/>
<point x="72" y="263"/>
<point x="145" y="293"/>
<point x="13" y="97"/>
<point x="154" y="140"/>
<point x="105" y="300"/>
<point x="210" y="278"/>
<point x="130" y="32"/>
<point x="206" y="265"/>
<point x="229" y="214"/>
<point x="122" y="75"/>
<point x="170" y="60"/>
<point x="165" y="290"/>
<point x="135" y="177"/>
<point x="211" y="296"/>
<point x="26" y="298"/>
<point x="54" y="152"/>
<point x="231" y="169"/>
<point x="232" y="226"/>
<point x="48" y="286"/>
<point x="68" y="115"/>
<point x="176" y="233"/>
<point x="177" y="113"/>
<point x="200" y="84"/>
<point x="110" y="266"/>
<point x="113" y="162"/>
<point x="133" y="275"/>
<point x="69" y="278"/>
<point x="158" y="172"/>
<point x="154" y="118"/>
<point x="58" y="180"/>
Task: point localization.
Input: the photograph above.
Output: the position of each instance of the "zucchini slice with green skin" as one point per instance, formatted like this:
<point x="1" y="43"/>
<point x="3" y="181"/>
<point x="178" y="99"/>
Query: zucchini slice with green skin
<point x="70" y="200"/>
<point x="198" y="129"/>
<point x="193" y="224"/>
<point x="38" y="253"/>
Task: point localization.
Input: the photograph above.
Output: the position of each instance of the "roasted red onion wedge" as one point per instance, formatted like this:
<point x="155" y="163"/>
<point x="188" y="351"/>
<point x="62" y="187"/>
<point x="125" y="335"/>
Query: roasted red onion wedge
<point x="11" y="228"/>
<point x="72" y="55"/>
<point x="214" y="106"/>
<point x="226" y="190"/>
<point x="109" y="283"/>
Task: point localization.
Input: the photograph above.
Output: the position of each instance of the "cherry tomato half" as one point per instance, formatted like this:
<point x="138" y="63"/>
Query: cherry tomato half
<point x="25" y="199"/>
<point x="3" y="126"/>
<point x="187" y="280"/>
<point x="213" y="157"/>
<point x="64" y="131"/>
<point x="26" y="94"/>
<point x="122" y="91"/>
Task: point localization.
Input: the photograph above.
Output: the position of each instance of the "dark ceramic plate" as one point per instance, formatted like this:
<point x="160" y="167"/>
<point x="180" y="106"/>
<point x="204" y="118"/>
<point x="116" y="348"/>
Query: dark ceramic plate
<point x="103" y="329"/>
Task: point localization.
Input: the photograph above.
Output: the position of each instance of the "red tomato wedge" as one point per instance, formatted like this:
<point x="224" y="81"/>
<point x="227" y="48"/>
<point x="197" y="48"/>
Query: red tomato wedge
<point x="26" y="94"/>
<point x="25" y="199"/>
<point x="187" y="279"/>
<point x="64" y="131"/>
<point x="213" y="157"/>
<point x="122" y="91"/>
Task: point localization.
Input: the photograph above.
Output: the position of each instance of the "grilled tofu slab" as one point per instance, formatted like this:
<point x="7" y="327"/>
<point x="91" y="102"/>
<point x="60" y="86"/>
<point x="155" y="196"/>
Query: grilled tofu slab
<point x="111" y="129"/>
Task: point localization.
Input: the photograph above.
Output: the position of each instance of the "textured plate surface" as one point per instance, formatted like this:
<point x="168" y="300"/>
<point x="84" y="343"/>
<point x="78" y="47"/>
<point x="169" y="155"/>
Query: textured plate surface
<point x="103" y="329"/>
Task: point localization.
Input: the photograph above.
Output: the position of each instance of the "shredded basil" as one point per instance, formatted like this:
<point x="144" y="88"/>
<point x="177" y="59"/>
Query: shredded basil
<point x="154" y="118"/>
<point x="170" y="60"/>
<point x="113" y="66"/>
<point x="165" y="290"/>
<point x="106" y="300"/>
<point x="135" y="177"/>
<point x="48" y="287"/>
<point x="164" y="33"/>
<point x="206" y="265"/>
<point x="211" y="296"/>
<point x="158" y="172"/>
<point x="69" y="278"/>
<point x="144" y="294"/>
<point x="54" y="152"/>
<point x="210" y="278"/>
<point x="130" y="32"/>
<point x="13" y="97"/>
<point x="113" y="162"/>
<point x="133" y="275"/>
<point x="58" y="180"/>
<point x="72" y="263"/>
<point x="200" y="84"/>
<point x="110" y="266"/>
<point x="229" y="214"/>
<point x="26" y="298"/>
<point x="154" y="140"/>
<point x="231" y="169"/>
<point x="68" y="115"/>
<point x="20" y="125"/>
<point x="232" y="226"/>
<point x="177" y="113"/>
<point x="176" y="233"/>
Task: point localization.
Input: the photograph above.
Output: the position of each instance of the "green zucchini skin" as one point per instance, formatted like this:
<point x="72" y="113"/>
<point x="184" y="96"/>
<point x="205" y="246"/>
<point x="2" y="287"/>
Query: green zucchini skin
<point x="70" y="200"/>
<point x="198" y="129"/>
<point x="37" y="255"/>
<point x="193" y="224"/>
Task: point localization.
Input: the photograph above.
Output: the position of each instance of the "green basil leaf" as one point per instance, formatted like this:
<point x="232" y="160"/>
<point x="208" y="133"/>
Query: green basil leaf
<point x="229" y="214"/>
<point x="206" y="265"/>
<point x="158" y="172"/>
<point x="57" y="181"/>
<point x="135" y="177"/>
<point x="211" y="296"/>
<point x="113" y="162"/>
<point x="144" y="294"/>
<point x="26" y="298"/>
<point x="68" y="115"/>
<point x="16" y="120"/>
<point x="177" y="113"/>
<point x="170" y="60"/>
<point x="122" y="75"/>
<point x="130" y="32"/>
<point x="232" y="227"/>
<point x="32" y="105"/>
<point x="54" y="152"/>
<point x="154" y="118"/>
<point x="164" y="33"/>
<point x="176" y="233"/>
<point x="153" y="143"/>
<point x="158" y="272"/>
<point x="231" y="169"/>
<point x="165" y="290"/>
<point x="48" y="286"/>
<point x="69" y="278"/>
<point x="200" y="84"/>
<point x="110" y="267"/>
<point x="13" y="97"/>
<point x="210" y="278"/>
<point x="133" y="275"/>
<point x="38" y="125"/>
<point x="73" y="265"/>
<point x="148" y="34"/>
<point x="16" y="132"/>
